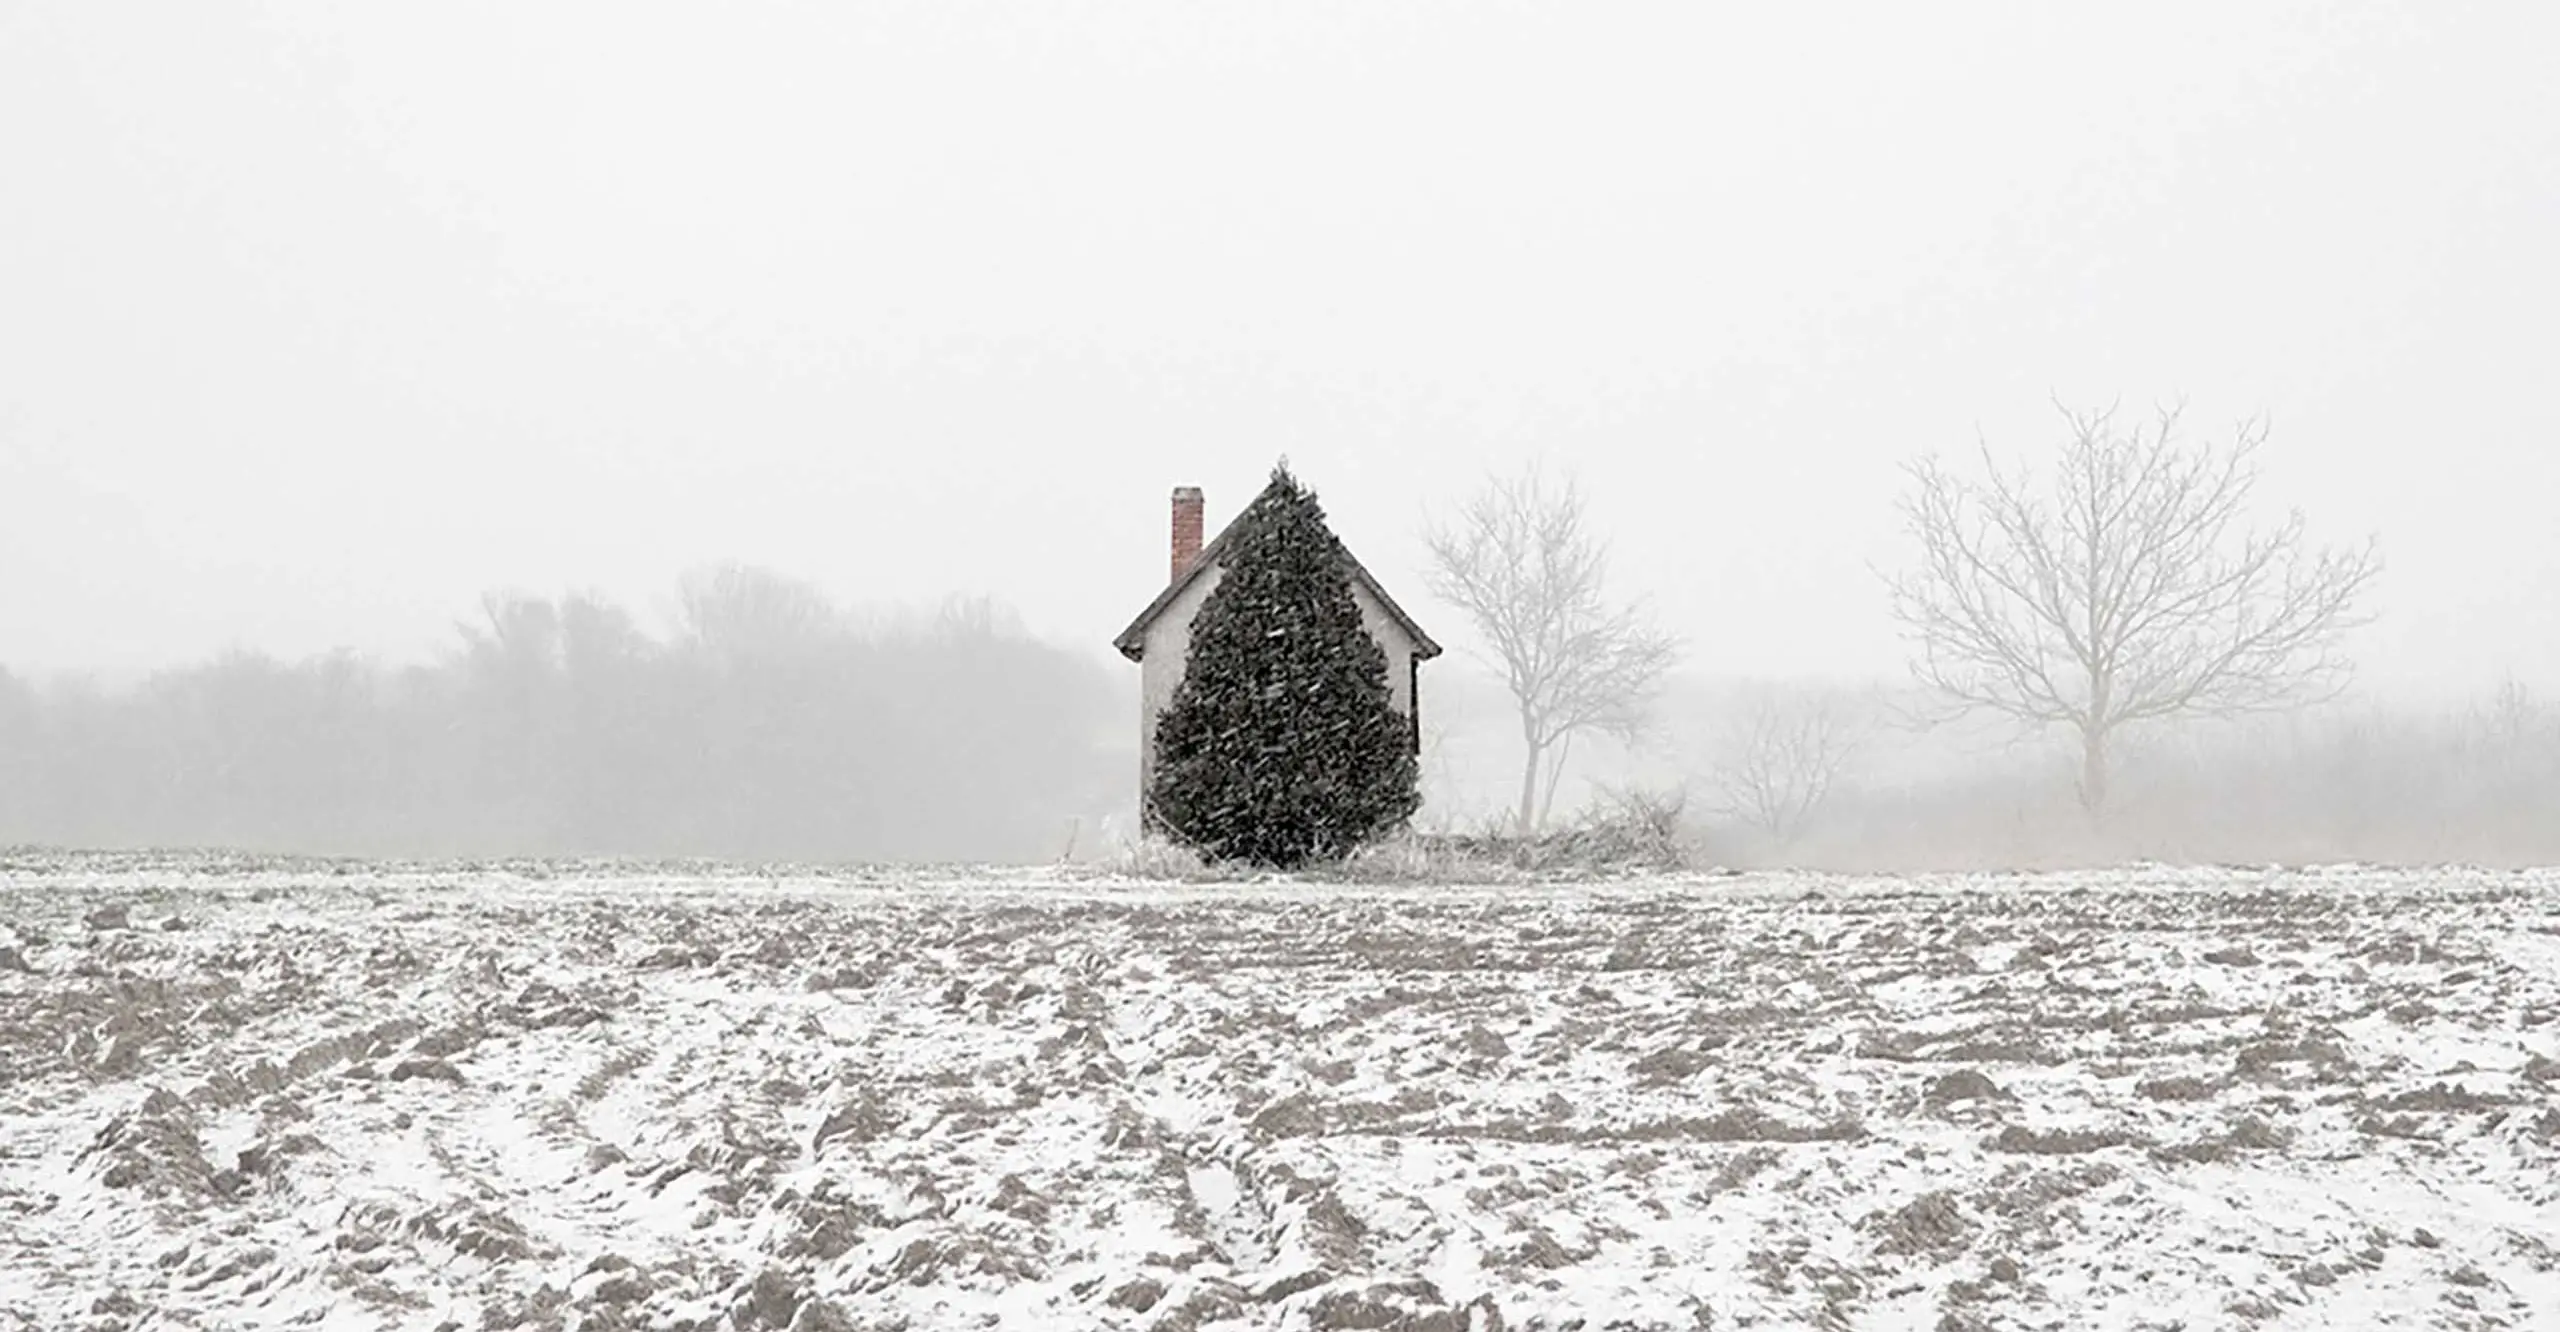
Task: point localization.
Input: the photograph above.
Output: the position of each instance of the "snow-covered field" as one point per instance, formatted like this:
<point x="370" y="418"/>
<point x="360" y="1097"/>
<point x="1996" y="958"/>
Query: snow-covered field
<point x="260" y="1095"/>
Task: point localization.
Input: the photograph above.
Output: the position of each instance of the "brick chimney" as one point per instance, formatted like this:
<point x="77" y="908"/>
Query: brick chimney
<point x="1187" y="528"/>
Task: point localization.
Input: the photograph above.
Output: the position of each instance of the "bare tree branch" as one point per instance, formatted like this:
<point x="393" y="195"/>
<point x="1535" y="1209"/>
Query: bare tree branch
<point x="1531" y="578"/>
<point x="1781" y="753"/>
<point x="736" y="613"/>
<point x="2127" y="591"/>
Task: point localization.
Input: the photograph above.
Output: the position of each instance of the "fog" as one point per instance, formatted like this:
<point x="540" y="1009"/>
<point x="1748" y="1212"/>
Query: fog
<point x="325" y="330"/>
<point x="772" y="725"/>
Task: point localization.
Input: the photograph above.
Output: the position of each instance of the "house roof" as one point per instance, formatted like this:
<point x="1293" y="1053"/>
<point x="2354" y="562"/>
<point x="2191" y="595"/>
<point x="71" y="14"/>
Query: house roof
<point x="1132" y="641"/>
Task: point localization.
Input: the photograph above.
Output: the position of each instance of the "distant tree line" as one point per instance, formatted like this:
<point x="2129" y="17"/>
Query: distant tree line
<point x="1844" y="778"/>
<point x="770" y="723"/>
<point x="1861" y="775"/>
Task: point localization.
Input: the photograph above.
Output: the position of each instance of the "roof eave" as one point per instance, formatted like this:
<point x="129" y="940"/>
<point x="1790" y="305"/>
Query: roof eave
<point x="1423" y="647"/>
<point x="1132" y="642"/>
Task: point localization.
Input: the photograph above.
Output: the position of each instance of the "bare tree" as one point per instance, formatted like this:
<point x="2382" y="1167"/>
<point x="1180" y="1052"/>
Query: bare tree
<point x="2513" y="715"/>
<point x="2125" y="593"/>
<point x="519" y="635"/>
<point x="1780" y="754"/>
<point x="733" y="614"/>
<point x="1521" y="564"/>
<point x="512" y="660"/>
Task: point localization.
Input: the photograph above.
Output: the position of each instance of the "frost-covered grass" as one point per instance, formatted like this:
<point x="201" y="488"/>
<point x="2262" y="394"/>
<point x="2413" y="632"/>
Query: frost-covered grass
<point x="241" y="1094"/>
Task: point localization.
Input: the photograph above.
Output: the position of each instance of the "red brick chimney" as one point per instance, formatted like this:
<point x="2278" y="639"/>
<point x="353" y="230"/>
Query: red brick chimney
<point x="1187" y="528"/>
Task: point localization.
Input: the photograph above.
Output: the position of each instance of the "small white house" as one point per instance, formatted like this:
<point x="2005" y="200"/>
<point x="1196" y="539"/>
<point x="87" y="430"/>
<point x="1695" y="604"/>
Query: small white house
<point x="1159" y="640"/>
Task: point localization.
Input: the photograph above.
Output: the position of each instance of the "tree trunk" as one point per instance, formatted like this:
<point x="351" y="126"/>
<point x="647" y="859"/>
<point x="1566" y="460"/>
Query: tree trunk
<point x="1555" y="778"/>
<point x="1529" y="785"/>
<point x="2093" y="773"/>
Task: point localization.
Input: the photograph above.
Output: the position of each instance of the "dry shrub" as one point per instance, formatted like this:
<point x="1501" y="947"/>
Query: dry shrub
<point x="1623" y="831"/>
<point x="1412" y="857"/>
<point x="1159" y="859"/>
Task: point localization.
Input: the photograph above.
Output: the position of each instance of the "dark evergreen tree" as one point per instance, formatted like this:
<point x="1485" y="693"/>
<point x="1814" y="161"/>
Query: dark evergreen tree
<point x="1282" y="745"/>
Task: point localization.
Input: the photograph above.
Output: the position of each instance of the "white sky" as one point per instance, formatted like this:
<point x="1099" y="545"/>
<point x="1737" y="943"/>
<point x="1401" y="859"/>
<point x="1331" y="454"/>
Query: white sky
<point x="318" y="319"/>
